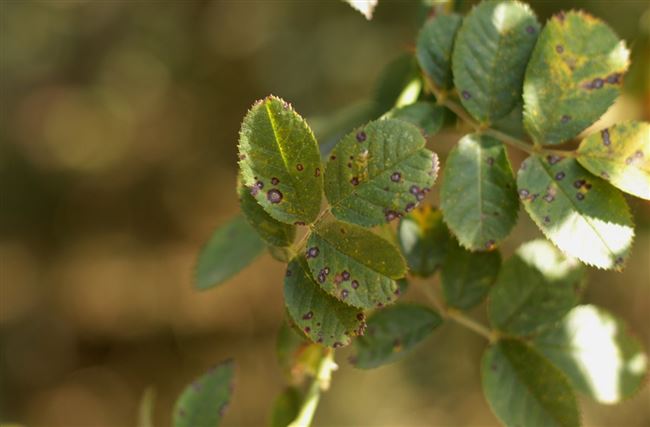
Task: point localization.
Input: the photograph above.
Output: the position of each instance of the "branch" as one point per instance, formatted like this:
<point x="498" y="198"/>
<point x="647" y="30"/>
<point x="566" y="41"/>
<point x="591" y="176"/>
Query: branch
<point x="320" y="383"/>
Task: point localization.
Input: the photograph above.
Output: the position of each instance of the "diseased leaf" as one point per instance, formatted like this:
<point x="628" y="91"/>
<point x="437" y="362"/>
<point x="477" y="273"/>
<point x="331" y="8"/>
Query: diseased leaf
<point x="392" y="332"/>
<point x="424" y="240"/>
<point x="466" y="276"/>
<point x="424" y="115"/>
<point x="525" y="389"/>
<point x="204" y="402"/>
<point x="378" y="172"/>
<point x="434" y="46"/>
<point x="232" y="247"/>
<point x="583" y="215"/>
<point x="354" y="265"/>
<point x="478" y="197"/>
<point x="286" y="407"/>
<point x="280" y="162"/>
<point x="596" y="352"/>
<point x="490" y="56"/>
<point x="323" y="318"/>
<point x="535" y="288"/>
<point x="621" y="155"/>
<point x="573" y="77"/>
<point x="272" y="231"/>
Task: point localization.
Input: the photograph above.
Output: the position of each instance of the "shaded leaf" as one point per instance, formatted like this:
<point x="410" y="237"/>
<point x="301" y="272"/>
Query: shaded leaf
<point x="573" y="77"/>
<point x="322" y="317"/>
<point x="204" y="402"/>
<point x="354" y="264"/>
<point x="478" y="198"/>
<point x="535" y="288"/>
<point x="525" y="389"/>
<point x="434" y="46"/>
<point x="598" y="355"/>
<point x="582" y="214"/>
<point x="466" y="276"/>
<point x="280" y="161"/>
<point x="621" y="155"/>
<point x="270" y="230"/>
<point x="424" y="115"/>
<point x="286" y="407"/>
<point x="513" y="123"/>
<point x="424" y="240"/>
<point x="495" y="36"/>
<point x="232" y="247"/>
<point x="395" y="76"/>
<point x="392" y="332"/>
<point x="378" y="172"/>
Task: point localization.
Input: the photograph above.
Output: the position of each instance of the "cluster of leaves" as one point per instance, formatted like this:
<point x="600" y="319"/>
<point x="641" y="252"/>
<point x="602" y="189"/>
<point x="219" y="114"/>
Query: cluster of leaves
<point x="515" y="81"/>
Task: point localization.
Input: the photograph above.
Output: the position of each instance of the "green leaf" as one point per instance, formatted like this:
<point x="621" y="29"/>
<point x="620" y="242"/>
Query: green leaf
<point x="573" y="77"/>
<point x="424" y="115"/>
<point x="272" y="231"/>
<point x="232" y="247"/>
<point x="323" y="318"/>
<point x="582" y="214"/>
<point x="596" y="352"/>
<point x="478" y="198"/>
<point x="466" y="276"/>
<point x="490" y="56"/>
<point x="434" y="46"/>
<point x="535" y="288"/>
<point x="621" y="155"/>
<point x="378" y="172"/>
<point x="280" y="161"/>
<point x="392" y="332"/>
<point x="204" y="402"/>
<point x="286" y="407"/>
<point x="354" y="264"/>
<point x="513" y="123"/>
<point x="424" y="240"/>
<point x="524" y="389"/>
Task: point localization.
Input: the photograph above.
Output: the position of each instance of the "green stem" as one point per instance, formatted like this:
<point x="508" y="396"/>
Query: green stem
<point x="320" y="384"/>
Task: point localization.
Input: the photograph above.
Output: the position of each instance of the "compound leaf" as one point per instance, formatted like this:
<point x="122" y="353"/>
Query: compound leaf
<point x="378" y="172"/>
<point x="354" y="264"/>
<point x="232" y="247"/>
<point x="583" y="215"/>
<point x="573" y="77"/>
<point x="535" y="288"/>
<point x="322" y="318"/>
<point x="434" y="46"/>
<point x="204" y="402"/>
<point x="478" y="198"/>
<point x="621" y="155"/>
<point x="598" y="355"/>
<point x="424" y="115"/>
<point x="392" y="332"/>
<point x="273" y="232"/>
<point x="495" y="36"/>
<point x="466" y="276"/>
<point x="280" y="161"/>
<point x="525" y="389"/>
<point x="424" y="240"/>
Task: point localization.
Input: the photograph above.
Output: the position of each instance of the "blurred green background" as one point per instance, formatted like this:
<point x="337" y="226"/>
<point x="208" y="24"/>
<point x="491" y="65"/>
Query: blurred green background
<point x="118" y="129"/>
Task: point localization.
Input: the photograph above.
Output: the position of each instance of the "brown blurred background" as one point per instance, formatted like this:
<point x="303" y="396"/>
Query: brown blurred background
<point x="118" y="132"/>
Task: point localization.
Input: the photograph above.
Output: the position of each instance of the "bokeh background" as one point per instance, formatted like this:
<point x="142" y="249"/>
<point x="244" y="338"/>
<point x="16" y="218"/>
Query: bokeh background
<point x="118" y="129"/>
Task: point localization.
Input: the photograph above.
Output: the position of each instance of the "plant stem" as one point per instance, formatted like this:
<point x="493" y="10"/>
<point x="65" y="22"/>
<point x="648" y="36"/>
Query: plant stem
<point x="320" y="383"/>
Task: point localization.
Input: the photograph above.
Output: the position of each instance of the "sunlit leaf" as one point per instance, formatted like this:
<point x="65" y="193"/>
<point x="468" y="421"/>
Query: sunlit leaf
<point x="478" y="197"/>
<point x="574" y="76"/>
<point x="434" y="46"/>
<point x="286" y="407"/>
<point x="366" y="7"/>
<point x="280" y="161"/>
<point x="597" y="353"/>
<point x="354" y="264"/>
<point x="525" y="389"/>
<point x="272" y="231"/>
<point x="323" y="318"/>
<point x="232" y="247"/>
<point x="392" y="332"/>
<point x="424" y="240"/>
<point x="379" y="172"/>
<point x="621" y="155"/>
<point x="535" y="288"/>
<point x="583" y="215"/>
<point x="490" y="56"/>
<point x="424" y="115"/>
<point x="466" y="276"/>
<point x="204" y="402"/>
